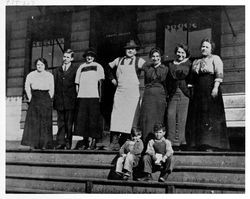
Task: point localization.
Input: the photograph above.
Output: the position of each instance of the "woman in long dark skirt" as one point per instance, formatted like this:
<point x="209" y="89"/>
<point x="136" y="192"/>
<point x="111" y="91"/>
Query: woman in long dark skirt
<point x="154" y="98"/>
<point x="39" y="87"/>
<point x="209" y="130"/>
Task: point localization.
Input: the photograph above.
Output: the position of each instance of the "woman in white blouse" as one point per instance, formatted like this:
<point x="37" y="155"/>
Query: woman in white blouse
<point x="39" y="87"/>
<point x="209" y="130"/>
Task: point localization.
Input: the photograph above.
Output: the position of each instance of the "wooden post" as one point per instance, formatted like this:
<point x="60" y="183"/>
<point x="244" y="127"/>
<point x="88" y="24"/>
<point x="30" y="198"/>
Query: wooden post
<point x="170" y="189"/>
<point x="89" y="186"/>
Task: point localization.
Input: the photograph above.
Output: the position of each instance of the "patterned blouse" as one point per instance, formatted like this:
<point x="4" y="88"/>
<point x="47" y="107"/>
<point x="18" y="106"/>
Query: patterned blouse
<point x="211" y="65"/>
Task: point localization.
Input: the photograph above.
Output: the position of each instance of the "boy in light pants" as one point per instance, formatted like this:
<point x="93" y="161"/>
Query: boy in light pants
<point x="130" y="154"/>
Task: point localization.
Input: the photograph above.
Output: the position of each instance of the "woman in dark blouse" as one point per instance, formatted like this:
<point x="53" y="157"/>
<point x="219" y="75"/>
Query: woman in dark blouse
<point x="154" y="98"/>
<point x="178" y="96"/>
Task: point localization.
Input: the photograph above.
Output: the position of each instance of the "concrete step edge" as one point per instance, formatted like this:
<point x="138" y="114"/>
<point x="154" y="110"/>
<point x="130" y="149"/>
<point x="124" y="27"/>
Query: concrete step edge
<point x="235" y="170"/>
<point x="184" y="153"/>
<point x="13" y="189"/>
<point x="232" y="187"/>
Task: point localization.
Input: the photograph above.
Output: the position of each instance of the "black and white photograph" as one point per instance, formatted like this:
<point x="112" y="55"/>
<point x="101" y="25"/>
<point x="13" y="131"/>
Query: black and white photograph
<point x="133" y="98"/>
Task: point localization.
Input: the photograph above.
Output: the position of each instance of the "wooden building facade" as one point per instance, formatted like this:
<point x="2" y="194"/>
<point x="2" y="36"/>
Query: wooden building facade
<point x="34" y="31"/>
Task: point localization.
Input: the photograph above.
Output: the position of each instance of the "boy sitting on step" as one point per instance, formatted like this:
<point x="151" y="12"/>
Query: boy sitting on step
<point x="158" y="156"/>
<point x="130" y="154"/>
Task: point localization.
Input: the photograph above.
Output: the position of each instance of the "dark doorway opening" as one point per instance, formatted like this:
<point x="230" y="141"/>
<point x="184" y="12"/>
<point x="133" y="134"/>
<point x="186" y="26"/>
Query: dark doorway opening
<point x="111" y="28"/>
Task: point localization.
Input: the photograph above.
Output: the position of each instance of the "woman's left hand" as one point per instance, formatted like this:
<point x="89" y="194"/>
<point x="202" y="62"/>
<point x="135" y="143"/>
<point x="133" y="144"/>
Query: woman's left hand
<point x="214" y="92"/>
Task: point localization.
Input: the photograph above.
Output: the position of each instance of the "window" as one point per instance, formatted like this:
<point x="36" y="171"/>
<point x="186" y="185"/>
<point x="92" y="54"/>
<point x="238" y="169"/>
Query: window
<point x="192" y="38"/>
<point x="52" y="50"/>
<point x="188" y="26"/>
<point x="49" y="36"/>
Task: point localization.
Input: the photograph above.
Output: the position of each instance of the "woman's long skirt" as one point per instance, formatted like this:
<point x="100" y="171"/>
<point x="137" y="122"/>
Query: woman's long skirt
<point x="38" y="124"/>
<point x="209" y="122"/>
<point x="152" y="110"/>
<point x="89" y="119"/>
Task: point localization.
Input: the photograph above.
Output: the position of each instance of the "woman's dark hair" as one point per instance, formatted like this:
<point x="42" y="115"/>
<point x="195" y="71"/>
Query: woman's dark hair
<point x="44" y="61"/>
<point x="159" y="126"/>
<point x="184" y="47"/>
<point x="209" y="41"/>
<point x="153" y="50"/>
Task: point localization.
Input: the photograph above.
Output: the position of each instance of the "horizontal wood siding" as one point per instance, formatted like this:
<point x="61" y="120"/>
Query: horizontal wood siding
<point x="233" y="49"/>
<point x="17" y="16"/>
<point x="233" y="87"/>
<point x="15" y="72"/>
<point x="17" y="43"/>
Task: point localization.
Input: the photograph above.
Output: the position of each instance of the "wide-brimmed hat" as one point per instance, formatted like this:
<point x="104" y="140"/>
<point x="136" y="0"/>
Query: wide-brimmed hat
<point x="131" y="44"/>
<point x="89" y="51"/>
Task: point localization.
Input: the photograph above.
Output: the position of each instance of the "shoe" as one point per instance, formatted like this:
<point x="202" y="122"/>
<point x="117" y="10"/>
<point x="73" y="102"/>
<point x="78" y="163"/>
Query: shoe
<point x="126" y="175"/>
<point x="114" y="145"/>
<point x="60" y="146"/>
<point x="93" y="144"/>
<point x="161" y="179"/>
<point x="147" y="177"/>
<point x="68" y="146"/>
<point x="83" y="147"/>
<point x="119" y="173"/>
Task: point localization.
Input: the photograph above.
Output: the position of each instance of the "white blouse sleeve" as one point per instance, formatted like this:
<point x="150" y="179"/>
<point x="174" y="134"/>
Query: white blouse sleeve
<point x="51" y="85"/>
<point x="78" y="75"/>
<point x="100" y="72"/>
<point x="28" y="86"/>
<point x="218" y="68"/>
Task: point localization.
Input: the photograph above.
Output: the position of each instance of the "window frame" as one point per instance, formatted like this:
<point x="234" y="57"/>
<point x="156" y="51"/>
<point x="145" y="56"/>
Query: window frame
<point x="207" y="17"/>
<point x="51" y="26"/>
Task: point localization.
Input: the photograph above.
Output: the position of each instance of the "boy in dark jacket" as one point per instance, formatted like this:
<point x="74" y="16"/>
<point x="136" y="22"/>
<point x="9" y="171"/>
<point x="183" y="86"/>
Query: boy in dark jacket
<point x="130" y="154"/>
<point x="159" y="155"/>
<point x="65" y="99"/>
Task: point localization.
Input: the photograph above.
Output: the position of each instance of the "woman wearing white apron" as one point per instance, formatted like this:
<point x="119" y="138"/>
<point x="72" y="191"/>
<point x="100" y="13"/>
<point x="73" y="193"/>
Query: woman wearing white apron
<point x="126" y="96"/>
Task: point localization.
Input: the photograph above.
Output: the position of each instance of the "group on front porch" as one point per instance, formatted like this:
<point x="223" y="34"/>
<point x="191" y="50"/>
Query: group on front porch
<point x="179" y="95"/>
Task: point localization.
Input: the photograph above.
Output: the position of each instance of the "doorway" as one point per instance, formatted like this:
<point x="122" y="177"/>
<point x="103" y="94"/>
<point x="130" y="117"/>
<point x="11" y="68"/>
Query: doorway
<point x="110" y="29"/>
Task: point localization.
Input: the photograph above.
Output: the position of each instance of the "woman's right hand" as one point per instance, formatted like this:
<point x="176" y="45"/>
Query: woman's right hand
<point x="114" y="82"/>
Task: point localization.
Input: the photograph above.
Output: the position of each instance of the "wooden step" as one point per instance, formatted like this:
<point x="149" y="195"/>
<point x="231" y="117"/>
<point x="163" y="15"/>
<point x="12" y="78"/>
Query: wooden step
<point x="11" y="189"/>
<point x="92" y="185"/>
<point x="180" y="173"/>
<point x="185" y="158"/>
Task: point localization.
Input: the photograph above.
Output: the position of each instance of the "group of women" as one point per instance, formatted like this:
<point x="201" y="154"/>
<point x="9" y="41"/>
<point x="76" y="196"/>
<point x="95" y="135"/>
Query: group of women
<point x="167" y="97"/>
<point x="194" y="86"/>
